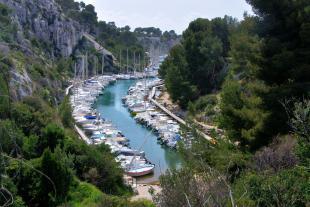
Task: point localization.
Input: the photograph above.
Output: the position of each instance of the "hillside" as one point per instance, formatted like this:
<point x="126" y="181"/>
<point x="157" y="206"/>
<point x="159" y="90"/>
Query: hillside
<point x="42" y="160"/>
<point x="156" y="42"/>
<point x="249" y="79"/>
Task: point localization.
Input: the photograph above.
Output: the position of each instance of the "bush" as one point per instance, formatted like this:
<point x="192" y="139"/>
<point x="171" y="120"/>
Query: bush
<point x="30" y="147"/>
<point x="32" y="115"/>
<point x="187" y="187"/>
<point x="204" y="108"/>
<point x="52" y="135"/>
<point x="28" y="180"/>
<point x="11" y="138"/>
<point x="57" y="167"/>
<point x="287" y="188"/>
<point x="278" y="156"/>
<point x="83" y="194"/>
<point x="97" y="165"/>
<point x="65" y="112"/>
<point x="300" y="123"/>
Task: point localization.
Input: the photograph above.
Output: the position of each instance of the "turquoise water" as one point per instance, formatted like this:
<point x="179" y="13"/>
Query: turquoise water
<point x="111" y="108"/>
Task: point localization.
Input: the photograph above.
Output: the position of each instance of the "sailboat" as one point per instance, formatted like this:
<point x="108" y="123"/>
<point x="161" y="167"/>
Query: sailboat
<point x="136" y="168"/>
<point x="139" y="169"/>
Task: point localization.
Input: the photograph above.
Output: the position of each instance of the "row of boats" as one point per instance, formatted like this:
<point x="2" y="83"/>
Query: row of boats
<point x="137" y="101"/>
<point x="97" y="130"/>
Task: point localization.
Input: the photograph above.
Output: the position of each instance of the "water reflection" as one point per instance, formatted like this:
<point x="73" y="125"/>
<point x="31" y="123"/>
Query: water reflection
<point x="110" y="107"/>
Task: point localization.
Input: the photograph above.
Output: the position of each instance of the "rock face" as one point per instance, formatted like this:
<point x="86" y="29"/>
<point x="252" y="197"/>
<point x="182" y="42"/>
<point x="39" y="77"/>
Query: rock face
<point x="43" y="20"/>
<point x="22" y="84"/>
<point x="157" y="47"/>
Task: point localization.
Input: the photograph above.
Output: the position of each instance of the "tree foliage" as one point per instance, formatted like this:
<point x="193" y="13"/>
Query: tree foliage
<point x="57" y="167"/>
<point x="268" y="62"/>
<point x="65" y="111"/>
<point x="300" y="119"/>
<point x="175" y="71"/>
<point x="199" y="62"/>
<point x="285" y="54"/>
<point x="266" y="67"/>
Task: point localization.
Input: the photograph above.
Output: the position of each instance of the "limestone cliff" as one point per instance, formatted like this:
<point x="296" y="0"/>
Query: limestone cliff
<point x="44" y="20"/>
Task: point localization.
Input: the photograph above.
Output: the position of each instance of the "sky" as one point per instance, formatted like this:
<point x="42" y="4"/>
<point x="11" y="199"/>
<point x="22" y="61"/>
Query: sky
<point x="165" y="14"/>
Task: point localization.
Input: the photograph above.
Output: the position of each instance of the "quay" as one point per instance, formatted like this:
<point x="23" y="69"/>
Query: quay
<point x="175" y="117"/>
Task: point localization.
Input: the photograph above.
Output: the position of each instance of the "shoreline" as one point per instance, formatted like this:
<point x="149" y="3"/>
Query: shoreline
<point x="98" y="85"/>
<point x="139" y="102"/>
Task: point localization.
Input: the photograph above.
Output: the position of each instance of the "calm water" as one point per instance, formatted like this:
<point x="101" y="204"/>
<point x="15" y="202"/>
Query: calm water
<point x="111" y="108"/>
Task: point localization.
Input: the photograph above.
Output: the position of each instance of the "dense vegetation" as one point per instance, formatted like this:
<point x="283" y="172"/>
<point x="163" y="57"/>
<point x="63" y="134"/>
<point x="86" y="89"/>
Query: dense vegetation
<point x="199" y="61"/>
<point x="42" y="160"/>
<point x="262" y="103"/>
<point x="250" y="77"/>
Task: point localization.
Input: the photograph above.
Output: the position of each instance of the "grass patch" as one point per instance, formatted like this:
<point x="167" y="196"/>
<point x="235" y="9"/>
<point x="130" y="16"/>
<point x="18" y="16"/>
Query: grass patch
<point x="84" y="194"/>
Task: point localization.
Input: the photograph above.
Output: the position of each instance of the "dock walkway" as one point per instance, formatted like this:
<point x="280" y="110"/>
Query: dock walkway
<point x="172" y="115"/>
<point x="77" y="129"/>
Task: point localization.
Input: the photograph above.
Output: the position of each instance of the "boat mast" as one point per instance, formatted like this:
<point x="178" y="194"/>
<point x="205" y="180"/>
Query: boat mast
<point x="86" y="65"/>
<point x="134" y="61"/>
<point x="83" y="67"/>
<point x="139" y="62"/>
<point x="95" y="66"/>
<point x="102" y="67"/>
<point x="74" y="72"/>
<point x="127" y="62"/>
<point x="120" y="60"/>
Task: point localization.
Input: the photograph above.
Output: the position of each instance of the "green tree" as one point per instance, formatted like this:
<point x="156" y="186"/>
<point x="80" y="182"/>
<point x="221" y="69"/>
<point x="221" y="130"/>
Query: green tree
<point x="56" y="166"/>
<point x="245" y="51"/>
<point x="28" y="180"/>
<point x="242" y="113"/>
<point x="285" y="51"/>
<point x="5" y="65"/>
<point x="287" y="188"/>
<point x="68" y="5"/>
<point x="65" y="111"/>
<point x="176" y="77"/>
<point x="300" y="122"/>
<point x="203" y="53"/>
<point x="52" y="135"/>
<point x="96" y="164"/>
<point x="11" y="138"/>
<point x="30" y="147"/>
<point x="8" y="30"/>
<point x="24" y="118"/>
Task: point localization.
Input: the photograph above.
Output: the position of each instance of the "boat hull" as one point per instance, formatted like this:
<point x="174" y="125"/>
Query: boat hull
<point x="141" y="173"/>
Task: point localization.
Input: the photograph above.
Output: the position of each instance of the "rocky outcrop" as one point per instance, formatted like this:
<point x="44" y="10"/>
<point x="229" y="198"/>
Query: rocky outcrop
<point x="39" y="22"/>
<point x="157" y="47"/>
<point x="20" y="84"/>
<point x="43" y="20"/>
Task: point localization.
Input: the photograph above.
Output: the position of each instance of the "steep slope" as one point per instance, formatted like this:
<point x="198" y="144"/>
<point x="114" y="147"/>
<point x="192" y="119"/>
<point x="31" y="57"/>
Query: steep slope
<point x="37" y="43"/>
<point x="42" y="161"/>
<point x="43" y="20"/>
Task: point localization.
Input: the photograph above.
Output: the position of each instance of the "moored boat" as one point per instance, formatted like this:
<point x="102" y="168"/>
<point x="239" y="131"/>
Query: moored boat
<point x="140" y="170"/>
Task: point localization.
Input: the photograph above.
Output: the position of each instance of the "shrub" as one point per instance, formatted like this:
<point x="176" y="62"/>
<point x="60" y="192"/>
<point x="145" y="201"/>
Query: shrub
<point x="52" y="135"/>
<point x="11" y="138"/>
<point x="65" y="112"/>
<point x="287" y="188"/>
